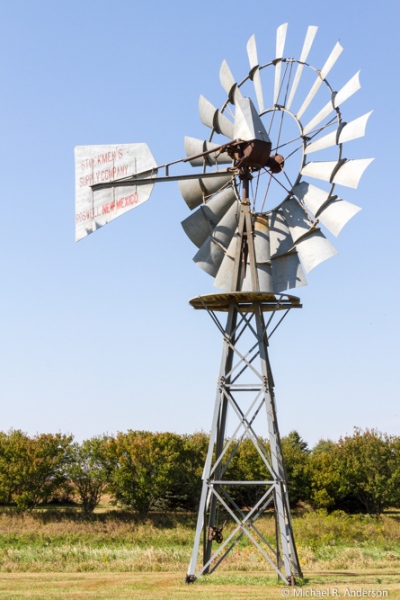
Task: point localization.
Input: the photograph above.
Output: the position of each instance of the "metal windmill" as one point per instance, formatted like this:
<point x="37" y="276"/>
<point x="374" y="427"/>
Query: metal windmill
<point x="257" y="226"/>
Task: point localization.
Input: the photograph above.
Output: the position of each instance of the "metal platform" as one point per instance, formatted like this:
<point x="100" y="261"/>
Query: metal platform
<point x="245" y="301"/>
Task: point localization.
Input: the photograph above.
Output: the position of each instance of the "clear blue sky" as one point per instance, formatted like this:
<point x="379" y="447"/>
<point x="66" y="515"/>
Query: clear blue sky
<point x="98" y="336"/>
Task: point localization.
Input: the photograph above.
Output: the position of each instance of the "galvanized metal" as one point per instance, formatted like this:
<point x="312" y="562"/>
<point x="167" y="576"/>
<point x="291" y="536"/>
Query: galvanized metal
<point x="243" y="399"/>
<point x="296" y="241"/>
<point x="105" y="164"/>
<point x="334" y="55"/>
<point x="228" y="83"/>
<point x="248" y="125"/>
<point x="255" y="72"/>
<point x="346" y="92"/>
<point x="311" y="244"/>
<point x="197" y="148"/>
<point x="347" y="173"/>
<point x="310" y="35"/>
<point x="263" y="255"/>
<point x="332" y="212"/>
<point x="212" y="252"/>
<point x="350" y="131"/>
<point x="213" y="118"/>
<point x="197" y="191"/>
<point x="201" y="223"/>
<point x="242" y="404"/>
<point x="280" y="45"/>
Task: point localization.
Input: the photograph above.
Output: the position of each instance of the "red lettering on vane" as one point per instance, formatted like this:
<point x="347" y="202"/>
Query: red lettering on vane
<point x="102" y="159"/>
<point x="130" y="200"/>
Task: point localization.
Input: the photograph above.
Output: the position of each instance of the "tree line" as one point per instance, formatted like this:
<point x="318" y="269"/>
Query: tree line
<point x="146" y="471"/>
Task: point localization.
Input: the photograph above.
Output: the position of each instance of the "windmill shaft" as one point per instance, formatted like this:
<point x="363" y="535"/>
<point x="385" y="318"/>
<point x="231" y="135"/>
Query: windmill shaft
<point x="147" y="180"/>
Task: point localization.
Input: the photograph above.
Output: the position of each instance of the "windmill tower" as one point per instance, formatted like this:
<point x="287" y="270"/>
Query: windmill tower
<point x="257" y="226"/>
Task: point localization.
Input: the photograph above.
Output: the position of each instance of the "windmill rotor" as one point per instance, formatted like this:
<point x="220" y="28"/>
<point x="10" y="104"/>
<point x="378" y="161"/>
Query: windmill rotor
<point x="275" y="148"/>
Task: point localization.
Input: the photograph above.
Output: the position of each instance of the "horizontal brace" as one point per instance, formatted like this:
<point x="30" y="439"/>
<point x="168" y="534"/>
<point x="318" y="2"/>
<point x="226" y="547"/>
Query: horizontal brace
<point x="243" y="387"/>
<point x="223" y="482"/>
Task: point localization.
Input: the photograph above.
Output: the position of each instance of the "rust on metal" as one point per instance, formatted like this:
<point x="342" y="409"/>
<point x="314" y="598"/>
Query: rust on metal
<point x="246" y="301"/>
<point x="253" y="153"/>
<point x="276" y="163"/>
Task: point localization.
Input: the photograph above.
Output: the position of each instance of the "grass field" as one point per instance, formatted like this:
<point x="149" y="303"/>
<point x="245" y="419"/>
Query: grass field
<point x="170" y="586"/>
<point x="116" y="554"/>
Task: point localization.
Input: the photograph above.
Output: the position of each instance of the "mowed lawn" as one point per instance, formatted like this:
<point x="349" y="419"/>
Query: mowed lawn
<point x="61" y="555"/>
<point x="170" y="586"/>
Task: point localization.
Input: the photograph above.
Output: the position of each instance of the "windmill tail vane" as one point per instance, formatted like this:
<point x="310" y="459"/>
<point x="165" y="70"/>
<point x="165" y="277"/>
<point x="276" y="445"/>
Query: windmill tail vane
<point x="263" y="210"/>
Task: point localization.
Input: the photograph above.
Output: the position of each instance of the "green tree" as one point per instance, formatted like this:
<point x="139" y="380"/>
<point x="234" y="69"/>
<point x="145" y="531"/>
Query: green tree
<point x="148" y="468"/>
<point x="324" y="477"/>
<point x="296" y="456"/>
<point x="359" y="473"/>
<point x="13" y="449"/>
<point x="43" y="468"/>
<point x="368" y="465"/>
<point x="247" y="465"/>
<point x="89" y="470"/>
<point x="186" y="484"/>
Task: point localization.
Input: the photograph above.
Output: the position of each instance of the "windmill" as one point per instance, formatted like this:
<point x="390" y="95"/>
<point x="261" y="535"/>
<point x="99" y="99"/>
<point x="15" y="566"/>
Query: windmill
<point x="258" y="224"/>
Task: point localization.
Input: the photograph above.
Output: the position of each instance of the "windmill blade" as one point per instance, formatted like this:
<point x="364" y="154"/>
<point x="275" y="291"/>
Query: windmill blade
<point x="311" y="32"/>
<point x="313" y="197"/>
<point x="348" y="173"/>
<point x="350" y="131"/>
<point x="224" y="278"/>
<point x="255" y="72"/>
<point x="355" y="129"/>
<point x="334" y="213"/>
<point x="200" y="224"/>
<point x="105" y="164"/>
<point x="213" y="118"/>
<point x="346" y="92"/>
<point x="297" y="219"/>
<point x="314" y="249"/>
<point x="264" y="276"/>
<point x="262" y="256"/>
<point x="228" y="83"/>
<point x="252" y="54"/>
<point x="332" y="139"/>
<point x="261" y="239"/>
<point x="323" y="170"/>
<point x="281" y="241"/>
<point x="311" y="244"/>
<point x="336" y="52"/>
<point x="211" y="253"/>
<point x="194" y="147"/>
<point x="195" y="191"/>
<point x="248" y="125"/>
<point x="280" y="45"/>
<point x="287" y="273"/>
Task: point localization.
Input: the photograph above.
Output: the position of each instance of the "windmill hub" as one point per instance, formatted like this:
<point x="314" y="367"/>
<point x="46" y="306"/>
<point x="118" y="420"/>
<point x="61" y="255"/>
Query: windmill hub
<point x="255" y="154"/>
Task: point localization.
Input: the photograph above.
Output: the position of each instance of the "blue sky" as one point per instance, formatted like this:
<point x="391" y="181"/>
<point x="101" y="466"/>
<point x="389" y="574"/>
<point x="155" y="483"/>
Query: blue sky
<point x="98" y="336"/>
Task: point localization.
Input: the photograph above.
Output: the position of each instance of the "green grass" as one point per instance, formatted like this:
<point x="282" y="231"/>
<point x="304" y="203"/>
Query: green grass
<point x="124" y="542"/>
<point x="59" y="555"/>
